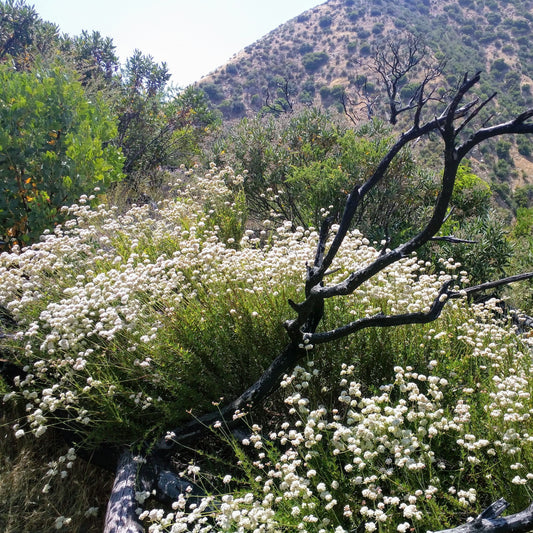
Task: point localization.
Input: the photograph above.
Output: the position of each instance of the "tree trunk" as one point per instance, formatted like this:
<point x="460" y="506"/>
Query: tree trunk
<point x="121" y="516"/>
<point x="489" y="521"/>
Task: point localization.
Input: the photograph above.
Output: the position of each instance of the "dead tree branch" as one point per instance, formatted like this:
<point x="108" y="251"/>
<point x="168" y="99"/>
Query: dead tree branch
<point x="394" y="62"/>
<point x="453" y="240"/>
<point x="490" y="521"/>
<point x="282" y="103"/>
<point x="492" y="285"/>
<point x="309" y="312"/>
<point x="121" y="516"/>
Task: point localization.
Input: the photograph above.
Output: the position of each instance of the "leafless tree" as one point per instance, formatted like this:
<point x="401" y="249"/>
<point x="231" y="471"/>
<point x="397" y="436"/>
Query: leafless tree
<point x="364" y="99"/>
<point x="400" y="60"/>
<point x="282" y="102"/>
<point x="394" y="62"/>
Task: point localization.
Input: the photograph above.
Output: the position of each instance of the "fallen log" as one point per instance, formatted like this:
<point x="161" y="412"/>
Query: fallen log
<point x="121" y="516"/>
<point x="489" y="521"/>
<point x="157" y="477"/>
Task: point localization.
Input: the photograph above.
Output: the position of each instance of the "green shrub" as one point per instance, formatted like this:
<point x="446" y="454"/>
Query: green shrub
<point x="325" y="21"/>
<point x="489" y="256"/>
<point x="353" y="16"/>
<point x="312" y="61"/>
<point x="54" y="146"/>
<point x="524" y="146"/>
<point x="471" y="195"/>
<point x="305" y="48"/>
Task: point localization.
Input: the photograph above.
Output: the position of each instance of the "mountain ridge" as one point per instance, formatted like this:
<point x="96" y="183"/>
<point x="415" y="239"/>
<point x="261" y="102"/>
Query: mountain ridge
<point x="328" y="51"/>
<point x="348" y="31"/>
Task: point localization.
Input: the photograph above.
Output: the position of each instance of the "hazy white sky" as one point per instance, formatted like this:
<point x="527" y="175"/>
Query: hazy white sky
<point x="192" y="36"/>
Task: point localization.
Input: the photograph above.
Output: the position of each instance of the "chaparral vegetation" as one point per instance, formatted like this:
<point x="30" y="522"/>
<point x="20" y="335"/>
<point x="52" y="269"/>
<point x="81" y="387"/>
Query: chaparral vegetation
<point x="127" y="320"/>
<point x="287" y="324"/>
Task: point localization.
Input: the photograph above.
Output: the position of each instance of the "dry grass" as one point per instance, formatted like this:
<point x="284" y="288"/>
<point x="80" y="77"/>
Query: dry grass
<point x="24" y="508"/>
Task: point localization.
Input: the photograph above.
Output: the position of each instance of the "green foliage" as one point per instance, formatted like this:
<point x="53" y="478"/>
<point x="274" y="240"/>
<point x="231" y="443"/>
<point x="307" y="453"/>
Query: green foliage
<point x="232" y="69"/>
<point x="522" y="241"/>
<point x="365" y="50"/>
<point x="351" y="47"/>
<point x="301" y="169"/>
<point x="499" y="67"/>
<point x="305" y="48"/>
<point x="523" y="196"/>
<point x="269" y="150"/>
<point x="378" y="28"/>
<point x="157" y="127"/>
<point x="524" y="146"/>
<point x="318" y="186"/>
<point x="23" y="35"/>
<point x="503" y="148"/>
<point x="312" y="61"/>
<point x="501" y="169"/>
<point x="214" y="92"/>
<point x="325" y="21"/>
<point x="94" y="57"/>
<point x="490" y="255"/>
<point x="523" y="226"/>
<point x="54" y="146"/>
<point x="471" y="195"/>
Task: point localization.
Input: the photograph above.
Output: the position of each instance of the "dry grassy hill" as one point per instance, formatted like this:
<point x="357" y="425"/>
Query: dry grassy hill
<point x="329" y="51"/>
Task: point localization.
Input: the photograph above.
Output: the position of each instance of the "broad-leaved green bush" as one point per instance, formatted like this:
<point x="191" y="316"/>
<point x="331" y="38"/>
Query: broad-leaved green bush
<point x="54" y="146"/>
<point x="301" y="169"/>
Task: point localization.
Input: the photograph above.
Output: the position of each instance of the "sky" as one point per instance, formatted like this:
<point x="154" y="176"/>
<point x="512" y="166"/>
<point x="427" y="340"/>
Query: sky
<point x="193" y="37"/>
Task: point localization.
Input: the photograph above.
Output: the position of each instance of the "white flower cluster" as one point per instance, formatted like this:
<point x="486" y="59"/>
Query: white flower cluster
<point x="383" y="458"/>
<point x="94" y="299"/>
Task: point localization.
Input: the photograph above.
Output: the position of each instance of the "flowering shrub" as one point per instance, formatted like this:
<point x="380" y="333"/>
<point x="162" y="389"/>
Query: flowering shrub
<point x="125" y="322"/>
<point x="426" y="450"/>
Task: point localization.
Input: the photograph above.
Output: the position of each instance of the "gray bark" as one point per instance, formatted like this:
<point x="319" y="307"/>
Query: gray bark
<point x="489" y="521"/>
<point x="121" y="516"/>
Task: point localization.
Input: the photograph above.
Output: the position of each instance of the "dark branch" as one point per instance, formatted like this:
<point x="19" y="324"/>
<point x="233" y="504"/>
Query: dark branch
<point x="252" y="396"/>
<point x="517" y="125"/>
<point x="453" y="240"/>
<point x="492" y="285"/>
<point x="121" y="516"/>
<point x="383" y="321"/>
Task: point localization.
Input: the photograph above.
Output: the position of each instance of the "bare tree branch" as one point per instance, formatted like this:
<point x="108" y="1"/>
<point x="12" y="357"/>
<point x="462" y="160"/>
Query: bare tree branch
<point x="383" y="321"/>
<point x="453" y="240"/>
<point x="283" y="101"/>
<point x="492" y="285"/>
<point x="444" y="123"/>
<point x="121" y="516"/>
<point x="393" y="63"/>
<point x="490" y="521"/>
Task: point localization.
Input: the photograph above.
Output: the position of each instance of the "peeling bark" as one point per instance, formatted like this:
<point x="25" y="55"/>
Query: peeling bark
<point x="121" y="516"/>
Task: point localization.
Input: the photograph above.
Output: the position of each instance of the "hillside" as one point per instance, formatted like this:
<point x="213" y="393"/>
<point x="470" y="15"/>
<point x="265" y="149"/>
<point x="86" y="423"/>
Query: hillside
<point x="329" y="50"/>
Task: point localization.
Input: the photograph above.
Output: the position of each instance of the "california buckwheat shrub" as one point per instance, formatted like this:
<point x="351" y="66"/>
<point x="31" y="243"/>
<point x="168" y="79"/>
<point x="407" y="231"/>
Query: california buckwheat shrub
<point x="127" y="321"/>
<point x="438" y="442"/>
